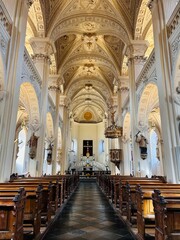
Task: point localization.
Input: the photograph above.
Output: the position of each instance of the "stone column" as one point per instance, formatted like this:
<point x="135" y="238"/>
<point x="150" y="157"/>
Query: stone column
<point x="163" y="72"/>
<point x="136" y="61"/>
<point x="64" y="114"/>
<point x="14" y="71"/>
<point x="57" y="89"/>
<point x="42" y="50"/>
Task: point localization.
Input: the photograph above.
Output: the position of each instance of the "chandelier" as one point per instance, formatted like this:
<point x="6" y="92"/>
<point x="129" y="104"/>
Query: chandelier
<point x="113" y="131"/>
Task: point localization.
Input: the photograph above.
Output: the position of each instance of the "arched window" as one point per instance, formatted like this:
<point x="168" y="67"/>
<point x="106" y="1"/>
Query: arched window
<point x="21" y="145"/>
<point x="155" y="162"/>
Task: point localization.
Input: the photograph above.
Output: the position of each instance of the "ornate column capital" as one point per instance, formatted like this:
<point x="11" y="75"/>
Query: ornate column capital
<point x="137" y="49"/>
<point x="43" y="46"/>
<point x="41" y="57"/>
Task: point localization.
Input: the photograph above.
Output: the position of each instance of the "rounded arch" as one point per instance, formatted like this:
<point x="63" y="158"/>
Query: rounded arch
<point x="28" y="102"/>
<point x="144" y="28"/>
<point x="149" y="101"/>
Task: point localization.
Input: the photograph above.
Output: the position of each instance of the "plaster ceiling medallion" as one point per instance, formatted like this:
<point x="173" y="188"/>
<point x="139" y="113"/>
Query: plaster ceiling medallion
<point x="90" y="26"/>
<point x="89" y="40"/>
<point x="89" y="4"/>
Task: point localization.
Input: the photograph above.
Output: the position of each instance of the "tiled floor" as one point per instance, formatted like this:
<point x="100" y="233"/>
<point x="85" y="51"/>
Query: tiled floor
<point x="88" y="215"/>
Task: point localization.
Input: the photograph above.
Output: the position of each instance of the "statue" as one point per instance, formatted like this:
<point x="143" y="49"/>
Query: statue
<point x="142" y="145"/>
<point x="49" y="153"/>
<point x="32" y="146"/>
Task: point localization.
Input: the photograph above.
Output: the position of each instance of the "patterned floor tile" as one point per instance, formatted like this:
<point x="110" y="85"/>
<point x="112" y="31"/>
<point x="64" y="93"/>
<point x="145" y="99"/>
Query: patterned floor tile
<point x="88" y="216"/>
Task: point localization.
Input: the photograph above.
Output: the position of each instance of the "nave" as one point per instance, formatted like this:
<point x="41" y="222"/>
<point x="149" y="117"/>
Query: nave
<point x="88" y="215"/>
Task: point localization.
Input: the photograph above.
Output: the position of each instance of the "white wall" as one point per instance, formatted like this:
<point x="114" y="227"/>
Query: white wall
<point x="95" y="132"/>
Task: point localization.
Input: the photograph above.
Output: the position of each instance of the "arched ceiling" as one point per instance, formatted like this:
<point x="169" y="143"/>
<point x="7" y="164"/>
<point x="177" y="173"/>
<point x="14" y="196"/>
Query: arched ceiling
<point x="90" y="39"/>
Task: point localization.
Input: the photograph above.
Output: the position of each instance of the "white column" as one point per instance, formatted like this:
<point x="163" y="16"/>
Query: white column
<point x="163" y="63"/>
<point x="135" y="64"/>
<point x="42" y="50"/>
<point x="14" y="70"/>
<point x="54" y="154"/>
<point x="64" y="110"/>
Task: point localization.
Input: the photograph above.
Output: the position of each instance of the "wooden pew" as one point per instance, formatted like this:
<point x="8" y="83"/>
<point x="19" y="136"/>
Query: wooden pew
<point x="167" y="215"/>
<point x="127" y="194"/>
<point x="145" y="210"/>
<point x="47" y="195"/>
<point x="11" y="215"/>
<point x="58" y="188"/>
<point x="33" y="204"/>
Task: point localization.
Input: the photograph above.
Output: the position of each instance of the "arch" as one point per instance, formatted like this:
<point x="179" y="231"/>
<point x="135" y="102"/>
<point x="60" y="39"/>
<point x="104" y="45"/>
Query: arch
<point x="149" y="101"/>
<point x="144" y="16"/>
<point x="144" y="28"/>
<point x="28" y="102"/>
<point x="78" y="24"/>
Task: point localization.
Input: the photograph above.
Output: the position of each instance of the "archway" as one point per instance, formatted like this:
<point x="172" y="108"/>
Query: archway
<point x="27" y="123"/>
<point x="47" y="166"/>
<point x="149" y="125"/>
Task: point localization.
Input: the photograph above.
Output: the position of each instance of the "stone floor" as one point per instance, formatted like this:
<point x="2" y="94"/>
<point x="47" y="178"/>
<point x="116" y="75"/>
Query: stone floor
<point x="88" y="215"/>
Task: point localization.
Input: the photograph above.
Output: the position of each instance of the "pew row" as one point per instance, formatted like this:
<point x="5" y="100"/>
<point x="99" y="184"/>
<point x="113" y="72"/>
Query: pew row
<point x="167" y="215"/>
<point x="45" y="198"/>
<point x="11" y="215"/>
<point x="145" y="209"/>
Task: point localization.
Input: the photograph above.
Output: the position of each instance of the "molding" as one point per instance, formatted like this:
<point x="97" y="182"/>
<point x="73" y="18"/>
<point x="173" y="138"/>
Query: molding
<point x="143" y="77"/>
<point x="41" y="57"/>
<point x="174" y="20"/>
<point x="30" y="65"/>
<point x="174" y="49"/>
<point x="5" y="18"/>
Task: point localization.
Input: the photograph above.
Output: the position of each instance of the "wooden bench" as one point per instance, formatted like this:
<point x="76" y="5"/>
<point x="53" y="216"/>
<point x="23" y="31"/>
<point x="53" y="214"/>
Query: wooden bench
<point x="11" y="215"/>
<point x="127" y="194"/>
<point x="167" y="215"/>
<point x="145" y="209"/>
<point x="33" y="205"/>
<point x="47" y="195"/>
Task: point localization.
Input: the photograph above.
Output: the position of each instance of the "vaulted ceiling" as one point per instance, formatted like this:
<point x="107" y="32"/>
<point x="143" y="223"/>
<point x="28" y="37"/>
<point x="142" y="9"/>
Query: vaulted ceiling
<point x="90" y="39"/>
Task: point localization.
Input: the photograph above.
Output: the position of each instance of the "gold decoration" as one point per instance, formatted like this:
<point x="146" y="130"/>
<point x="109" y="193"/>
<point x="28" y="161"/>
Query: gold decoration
<point x="88" y="116"/>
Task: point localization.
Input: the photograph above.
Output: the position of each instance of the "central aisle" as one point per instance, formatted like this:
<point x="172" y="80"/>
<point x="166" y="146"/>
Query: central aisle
<point x="88" y="215"/>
